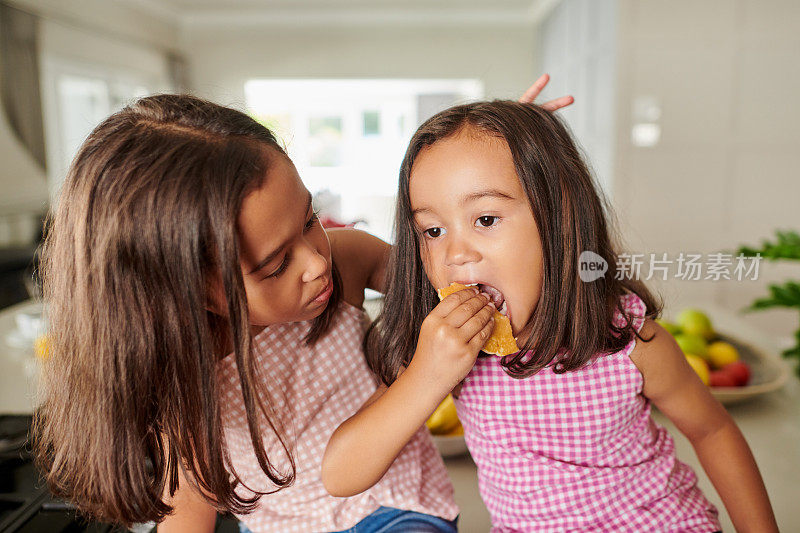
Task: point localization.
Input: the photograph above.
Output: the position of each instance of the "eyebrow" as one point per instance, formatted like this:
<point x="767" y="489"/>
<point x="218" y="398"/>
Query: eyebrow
<point x="267" y="260"/>
<point x="471" y="197"/>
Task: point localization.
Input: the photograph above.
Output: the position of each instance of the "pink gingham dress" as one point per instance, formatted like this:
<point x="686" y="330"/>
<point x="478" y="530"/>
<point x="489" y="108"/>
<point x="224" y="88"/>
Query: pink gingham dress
<point x="577" y="451"/>
<point x="312" y="391"/>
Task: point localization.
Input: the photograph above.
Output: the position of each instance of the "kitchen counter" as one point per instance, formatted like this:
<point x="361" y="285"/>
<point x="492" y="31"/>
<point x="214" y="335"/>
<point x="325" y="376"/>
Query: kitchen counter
<point x="18" y="366"/>
<point x="771" y="424"/>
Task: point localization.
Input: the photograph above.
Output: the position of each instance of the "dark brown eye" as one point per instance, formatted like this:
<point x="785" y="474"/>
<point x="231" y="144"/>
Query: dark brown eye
<point x="487" y="221"/>
<point x="433" y="232"/>
<point x="281" y="269"/>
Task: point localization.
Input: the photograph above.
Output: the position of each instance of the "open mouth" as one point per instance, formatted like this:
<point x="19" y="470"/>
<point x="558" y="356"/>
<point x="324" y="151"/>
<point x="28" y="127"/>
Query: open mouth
<point x="495" y="296"/>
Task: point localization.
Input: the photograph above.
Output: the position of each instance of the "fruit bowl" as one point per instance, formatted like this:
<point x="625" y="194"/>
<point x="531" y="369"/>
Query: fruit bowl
<point x="735" y="369"/>
<point x="767" y="374"/>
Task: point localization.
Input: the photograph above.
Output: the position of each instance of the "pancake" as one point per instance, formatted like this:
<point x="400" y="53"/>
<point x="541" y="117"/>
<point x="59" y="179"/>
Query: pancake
<point x="502" y="341"/>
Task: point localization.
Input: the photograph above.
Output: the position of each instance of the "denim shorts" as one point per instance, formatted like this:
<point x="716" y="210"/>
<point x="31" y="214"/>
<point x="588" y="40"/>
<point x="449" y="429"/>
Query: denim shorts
<point x="390" y="520"/>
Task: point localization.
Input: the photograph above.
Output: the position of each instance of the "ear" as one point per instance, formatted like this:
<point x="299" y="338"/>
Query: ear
<point x="215" y="297"/>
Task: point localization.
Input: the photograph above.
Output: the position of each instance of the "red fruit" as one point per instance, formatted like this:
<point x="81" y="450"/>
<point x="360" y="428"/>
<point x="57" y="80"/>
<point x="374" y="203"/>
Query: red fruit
<point x="721" y="378"/>
<point x="739" y="370"/>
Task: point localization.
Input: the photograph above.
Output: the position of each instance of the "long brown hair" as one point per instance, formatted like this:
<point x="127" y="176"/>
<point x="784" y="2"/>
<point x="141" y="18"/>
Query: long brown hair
<point x="145" y="221"/>
<point x="572" y="321"/>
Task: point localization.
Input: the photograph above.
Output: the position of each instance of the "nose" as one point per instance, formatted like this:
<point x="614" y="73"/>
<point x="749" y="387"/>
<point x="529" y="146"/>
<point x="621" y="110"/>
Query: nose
<point x="460" y="251"/>
<point x="315" y="263"/>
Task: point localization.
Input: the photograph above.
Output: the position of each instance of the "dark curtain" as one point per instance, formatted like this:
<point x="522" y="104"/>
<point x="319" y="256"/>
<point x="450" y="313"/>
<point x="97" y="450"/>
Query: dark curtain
<point x="19" y="78"/>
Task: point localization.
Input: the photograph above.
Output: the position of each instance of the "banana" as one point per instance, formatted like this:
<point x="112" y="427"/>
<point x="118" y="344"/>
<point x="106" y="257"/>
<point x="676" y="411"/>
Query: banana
<point x="444" y="418"/>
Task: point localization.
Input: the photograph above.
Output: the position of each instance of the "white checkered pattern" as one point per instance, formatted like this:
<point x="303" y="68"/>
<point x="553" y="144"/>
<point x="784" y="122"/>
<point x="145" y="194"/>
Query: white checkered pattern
<point x="312" y="391"/>
<point x="577" y="451"/>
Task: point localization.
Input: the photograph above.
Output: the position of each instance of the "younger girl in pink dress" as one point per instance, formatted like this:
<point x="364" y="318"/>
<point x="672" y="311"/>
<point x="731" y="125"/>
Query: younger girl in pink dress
<point x="496" y="194"/>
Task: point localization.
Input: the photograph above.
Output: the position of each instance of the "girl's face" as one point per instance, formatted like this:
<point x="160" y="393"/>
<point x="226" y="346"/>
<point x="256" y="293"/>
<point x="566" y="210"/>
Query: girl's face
<point x="474" y="222"/>
<point x="285" y="253"/>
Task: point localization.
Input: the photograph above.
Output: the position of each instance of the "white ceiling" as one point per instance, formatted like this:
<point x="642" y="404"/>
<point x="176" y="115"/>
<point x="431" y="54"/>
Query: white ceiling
<point x="247" y="12"/>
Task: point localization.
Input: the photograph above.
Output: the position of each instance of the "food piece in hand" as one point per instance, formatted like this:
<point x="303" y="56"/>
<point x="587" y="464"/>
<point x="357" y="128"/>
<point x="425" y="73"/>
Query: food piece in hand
<point x="502" y="341"/>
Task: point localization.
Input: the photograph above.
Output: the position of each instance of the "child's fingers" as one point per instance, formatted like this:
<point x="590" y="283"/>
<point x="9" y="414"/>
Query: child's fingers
<point x="464" y="312"/>
<point x="482" y="335"/>
<point x="534" y="90"/>
<point x="558" y="103"/>
<point x="447" y="305"/>
<point x="478" y="322"/>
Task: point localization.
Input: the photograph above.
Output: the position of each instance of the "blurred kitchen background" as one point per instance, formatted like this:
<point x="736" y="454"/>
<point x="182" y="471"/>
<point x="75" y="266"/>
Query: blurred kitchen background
<point x="687" y="110"/>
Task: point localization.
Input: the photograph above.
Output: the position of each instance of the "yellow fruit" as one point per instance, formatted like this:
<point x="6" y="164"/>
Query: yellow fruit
<point x="444" y="418"/>
<point x="721" y="353"/>
<point x="700" y="367"/>
<point x="456" y="431"/>
<point x="41" y="346"/>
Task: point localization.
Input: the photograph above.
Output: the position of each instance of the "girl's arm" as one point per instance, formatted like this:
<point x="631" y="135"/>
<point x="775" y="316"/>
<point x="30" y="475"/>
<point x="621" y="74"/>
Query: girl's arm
<point x="672" y="385"/>
<point x="363" y="448"/>
<point x="193" y="513"/>
<point x="361" y="259"/>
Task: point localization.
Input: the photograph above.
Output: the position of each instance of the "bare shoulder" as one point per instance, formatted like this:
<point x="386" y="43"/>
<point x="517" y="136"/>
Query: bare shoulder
<point x="656" y="339"/>
<point x="360" y="258"/>
<point x="352" y="240"/>
<point x="659" y="359"/>
<point x="673" y="386"/>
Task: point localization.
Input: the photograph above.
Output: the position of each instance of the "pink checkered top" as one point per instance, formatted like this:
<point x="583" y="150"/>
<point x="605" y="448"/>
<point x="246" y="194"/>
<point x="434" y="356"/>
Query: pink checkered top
<point x="312" y="391"/>
<point x="577" y="451"/>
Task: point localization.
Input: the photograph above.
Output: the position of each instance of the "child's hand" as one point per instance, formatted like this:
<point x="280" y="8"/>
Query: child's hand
<point x="452" y="335"/>
<point x="534" y="90"/>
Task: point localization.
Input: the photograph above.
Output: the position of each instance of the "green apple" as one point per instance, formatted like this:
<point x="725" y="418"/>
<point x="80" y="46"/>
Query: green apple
<point x="671" y="327"/>
<point x="696" y="322"/>
<point x="693" y="344"/>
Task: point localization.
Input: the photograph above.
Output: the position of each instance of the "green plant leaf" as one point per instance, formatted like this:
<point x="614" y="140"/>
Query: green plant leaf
<point x="786" y="295"/>
<point x="786" y="246"/>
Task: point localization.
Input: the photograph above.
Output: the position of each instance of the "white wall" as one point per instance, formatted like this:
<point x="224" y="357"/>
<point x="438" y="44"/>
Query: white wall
<point x="725" y="171"/>
<point x="222" y="59"/>
<point x="577" y="44"/>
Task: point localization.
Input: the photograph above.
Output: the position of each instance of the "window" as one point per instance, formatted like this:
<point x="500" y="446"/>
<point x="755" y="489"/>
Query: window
<point x="325" y="141"/>
<point x="348" y="137"/>
<point x="77" y="98"/>
<point x="372" y="123"/>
